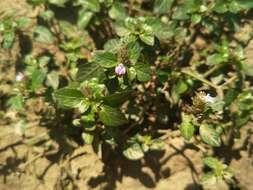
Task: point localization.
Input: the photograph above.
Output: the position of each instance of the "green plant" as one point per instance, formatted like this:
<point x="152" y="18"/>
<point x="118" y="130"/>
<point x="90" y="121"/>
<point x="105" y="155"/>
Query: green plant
<point x="131" y="72"/>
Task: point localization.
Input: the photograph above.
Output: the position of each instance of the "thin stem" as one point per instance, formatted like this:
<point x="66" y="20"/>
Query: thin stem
<point x="200" y="78"/>
<point x="210" y="71"/>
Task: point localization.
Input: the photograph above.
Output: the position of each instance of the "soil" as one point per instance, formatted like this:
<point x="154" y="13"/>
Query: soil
<point x="179" y="166"/>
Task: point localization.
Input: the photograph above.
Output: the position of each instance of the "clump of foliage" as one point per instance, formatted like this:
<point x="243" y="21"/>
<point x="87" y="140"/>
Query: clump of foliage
<point x="130" y="73"/>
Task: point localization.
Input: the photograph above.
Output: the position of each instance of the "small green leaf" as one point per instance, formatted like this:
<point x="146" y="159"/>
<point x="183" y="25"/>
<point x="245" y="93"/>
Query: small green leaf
<point x="84" y="18"/>
<point x="196" y="18"/>
<point x="112" y="45"/>
<point x="92" y="5"/>
<point x="209" y="135"/>
<point x="8" y="39"/>
<point x="143" y="72"/>
<point x="47" y="15"/>
<point x="181" y="87"/>
<point x="131" y="73"/>
<point x="246" y="4"/>
<point x="157" y="144"/>
<point x="211" y="162"/>
<point x="87" y="137"/>
<point x="53" y="79"/>
<point x="37" y="79"/>
<point x="117" y="98"/>
<point x="134" y="152"/>
<point x="59" y="3"/>
<point x="42" y="34"/>
<point x="118" y="12"/>
<point x="112" y="117"/>
<point x="89" y="71"/>
<point x="23" y="22"/>
<point x="186" y="127"/>
<point x="69" y="97"/>
<point x="148" y="38"/>
<point x="16" y="102"/>
<point x="217" y="106"/>
<point x="134" y="51"/>
<point x="215" y="59"/>
<point x="247" y="69"/>
<point x="162" y="6"/>
<point x="105" y="59"/>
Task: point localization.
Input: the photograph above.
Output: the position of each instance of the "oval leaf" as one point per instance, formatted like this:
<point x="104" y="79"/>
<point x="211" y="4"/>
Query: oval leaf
<point x="69" y="97"/>
<point x="209" y="135"/>
<point x="112" y="117"/>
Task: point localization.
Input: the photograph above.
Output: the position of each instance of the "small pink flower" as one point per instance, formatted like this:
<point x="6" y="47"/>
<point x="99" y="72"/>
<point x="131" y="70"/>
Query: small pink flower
<point x="120" y="70"/>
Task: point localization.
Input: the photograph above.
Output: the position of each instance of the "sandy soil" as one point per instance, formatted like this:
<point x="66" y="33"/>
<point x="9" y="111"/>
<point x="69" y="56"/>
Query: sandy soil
<point x="179" y="167"/>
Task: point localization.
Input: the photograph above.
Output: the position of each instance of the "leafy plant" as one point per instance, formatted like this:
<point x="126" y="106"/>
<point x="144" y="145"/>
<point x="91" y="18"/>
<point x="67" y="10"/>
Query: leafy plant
<point x="120" y="72"/>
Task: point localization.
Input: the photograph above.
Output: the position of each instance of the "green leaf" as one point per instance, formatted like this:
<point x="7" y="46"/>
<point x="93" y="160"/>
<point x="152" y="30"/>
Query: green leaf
<point x="246" y="4"/>
<point x="157" y="144"/>
<point x="181" y="87"/>
<point x="67" y="28"/>
<point x="186" y="127"/>
<point x="143" y="72"/>
<point x="134" y="51"/>
<point x="53" y="79"/>
<point x="69" y="97"/>
<point x="112" y="45"/>
<point x="88" y="71"/>
<point x="37" y="79"/>
<point x="84" y="18"/>
<point x="196" y="18"/>
<point x="211" y="162"/>
<point x="92" y="5"/>
<point x="112" y="117"/>
<point x="105" y="59"/>
<point x="87" y="137"/>
<point x="8" y="39"/>
<point x="23" y="22"/>
<point x="209" y="135"/>
<point x="134" y="152"/>
<point x="131" y="73"/>
<point x="180" y="14"/>
<point x="162" y="6"/>
<point x="247" y="69"/>
<point x="217" y="106"/>
<point x="47" y="15"/>
<point x="215" y="59"/>
<point x="42" y="34"/>
<point x="117" y="98"/>
<point x="59" y="3"/>
<point x="148" y="38"/>
<point x="16" y="102"/>
<point x="118" y="12"/>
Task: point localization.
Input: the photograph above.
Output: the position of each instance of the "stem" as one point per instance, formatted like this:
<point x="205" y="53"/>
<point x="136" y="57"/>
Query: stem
<point x="200" y="78"/>
<point x="207" y="82"/>
<point x="210" y="71"/>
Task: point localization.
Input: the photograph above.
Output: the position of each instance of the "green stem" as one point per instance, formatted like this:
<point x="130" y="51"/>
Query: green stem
<point x="200" y="78"/>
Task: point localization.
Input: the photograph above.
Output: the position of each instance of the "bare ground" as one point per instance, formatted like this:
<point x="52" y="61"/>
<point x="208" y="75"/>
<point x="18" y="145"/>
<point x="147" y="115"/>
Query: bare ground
<point x="178" y="167"/>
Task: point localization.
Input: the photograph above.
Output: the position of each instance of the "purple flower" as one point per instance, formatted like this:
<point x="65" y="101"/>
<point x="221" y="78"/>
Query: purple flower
<point x="120" y="70"/>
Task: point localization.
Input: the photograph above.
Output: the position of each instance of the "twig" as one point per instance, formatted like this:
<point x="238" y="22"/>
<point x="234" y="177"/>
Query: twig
<point x="229" y="81"/>
<point x="200" y="78"/>
<point x="210" y="71"/>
